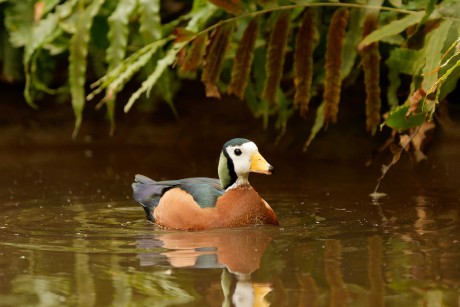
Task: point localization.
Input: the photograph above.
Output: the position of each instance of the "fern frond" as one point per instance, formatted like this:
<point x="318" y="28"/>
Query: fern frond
<point x="118" y="32"/>
<point x="306" y="41"/>
<point x="243" y="59"/>
<point x="231" y="6"/>
<point x="118" y="38"/>
<point x="214" y="58"/>
<point x="433" y="52"/>
<point x="78" y="51"/>
<point x="44" y="32"/>
<point x="275" y="56"/>
<point x="333" y="80"/>
<point x="117" y="78"/>
<point x="161" y="66"/>
<point x="370" y="60"/>
<point x="317" y="126"/>
<point x="394" y="27"/>
<point x="195" y="54"/>
<point x="150" y="21"/>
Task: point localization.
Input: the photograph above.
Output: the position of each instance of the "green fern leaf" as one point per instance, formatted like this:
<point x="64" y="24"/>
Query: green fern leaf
<point x="398" y="118"/>
<point x="44" y="32"/>
<point x="19" y="20"/>
<point x="393" y="28"/>
<point x="352" y="39"/>
<point x="78" y="51"/>
<point x="118" y="38"/>
<point x="10" y="58"/>
<point x="317" y="125"/>
<point x="161" y="66"/>
<point x="400" y="61"/>
<point x="150" y="21"/>
<point x="433" y="52"/>
<point x="151" y="30"/>
<point x="117" y="78"/>
<point x="118" y="32"/>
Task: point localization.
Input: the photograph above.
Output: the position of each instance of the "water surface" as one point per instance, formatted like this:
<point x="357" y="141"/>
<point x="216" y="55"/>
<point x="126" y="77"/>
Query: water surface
<point x="71" y="235"/>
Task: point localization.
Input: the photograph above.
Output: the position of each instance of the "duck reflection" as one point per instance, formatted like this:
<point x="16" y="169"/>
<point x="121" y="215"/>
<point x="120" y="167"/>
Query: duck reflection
<point x="238" y="251"/>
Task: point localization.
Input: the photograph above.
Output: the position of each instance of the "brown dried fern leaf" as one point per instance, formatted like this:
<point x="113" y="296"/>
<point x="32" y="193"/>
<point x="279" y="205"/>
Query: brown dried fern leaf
<point x="333" y="80"/>
<point x="231" y="6"/>
<point x="370" y="60"/>
<point x="275" y="56"/>
<point x="195" y="54"/>
<point x="243" y="59"/>
<point x="214" y="58"/>
<point x="306" y="41"/>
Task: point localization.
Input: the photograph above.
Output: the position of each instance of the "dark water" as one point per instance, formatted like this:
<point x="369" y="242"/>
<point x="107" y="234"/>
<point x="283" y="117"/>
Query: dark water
<point x="70" y="235"/>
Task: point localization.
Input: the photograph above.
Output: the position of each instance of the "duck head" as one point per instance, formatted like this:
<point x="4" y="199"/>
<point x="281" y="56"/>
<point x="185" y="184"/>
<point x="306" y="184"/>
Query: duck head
<point x="238" y="158"/>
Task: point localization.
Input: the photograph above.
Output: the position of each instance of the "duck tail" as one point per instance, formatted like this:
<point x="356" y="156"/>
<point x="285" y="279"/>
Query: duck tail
<point x="147" y="192"/>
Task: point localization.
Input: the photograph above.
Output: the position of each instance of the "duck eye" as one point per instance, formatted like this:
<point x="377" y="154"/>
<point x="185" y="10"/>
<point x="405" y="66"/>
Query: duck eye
<point x="237" y="151"/>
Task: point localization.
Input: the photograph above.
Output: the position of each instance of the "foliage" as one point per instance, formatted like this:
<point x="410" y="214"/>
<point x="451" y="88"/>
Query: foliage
<point x="276" y="55"/>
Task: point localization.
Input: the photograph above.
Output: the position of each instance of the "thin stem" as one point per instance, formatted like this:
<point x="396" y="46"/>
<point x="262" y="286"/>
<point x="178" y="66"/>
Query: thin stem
<point x="295" y="6"/>
<point x="395" y="159"/>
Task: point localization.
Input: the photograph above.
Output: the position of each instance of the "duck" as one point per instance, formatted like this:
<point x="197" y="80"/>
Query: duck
<point x="201" y="203"/>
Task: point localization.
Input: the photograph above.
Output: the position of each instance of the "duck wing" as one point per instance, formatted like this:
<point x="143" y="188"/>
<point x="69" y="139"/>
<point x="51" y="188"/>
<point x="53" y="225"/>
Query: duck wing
<point x="148" y="192"/>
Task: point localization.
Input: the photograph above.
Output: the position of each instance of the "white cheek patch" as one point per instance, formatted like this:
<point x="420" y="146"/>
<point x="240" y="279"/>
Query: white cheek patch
<point x="242" y="163"/>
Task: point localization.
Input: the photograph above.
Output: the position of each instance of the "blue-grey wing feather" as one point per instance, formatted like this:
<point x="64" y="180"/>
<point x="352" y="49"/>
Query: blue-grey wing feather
<point x="148" y="192"/>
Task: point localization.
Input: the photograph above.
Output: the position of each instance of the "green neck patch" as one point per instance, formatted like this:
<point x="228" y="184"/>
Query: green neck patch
<point x="227" y="175"/>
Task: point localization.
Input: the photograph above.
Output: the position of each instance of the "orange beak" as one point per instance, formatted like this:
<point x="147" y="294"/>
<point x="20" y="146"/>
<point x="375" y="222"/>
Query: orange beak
<point x="260" y="165"/>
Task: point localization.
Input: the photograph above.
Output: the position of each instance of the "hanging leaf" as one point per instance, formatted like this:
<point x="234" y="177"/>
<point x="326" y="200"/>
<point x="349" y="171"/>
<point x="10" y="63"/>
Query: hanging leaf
<point x="44" y="32"/>
<point x="182" y="34"/>
<point x="333" y="80"/>
<point x="161" y="66"/>
<point x="150" y="22"/>
<point x="200" y="14"/>
<point x="195" y="54"/>
<point x="19" y="21"/>
<point x="352" y="39"/>
<point x="400" y="61"/>
<point x="78" y="51"/>
<point x="258" y="77"/>
<point x="117" y="78"/>
<point x="370" y="60"/>
<point x="455" y="72"/>
<point x="118" y="38"/>
<point x="414" y="102"/>
<point x="317" y="126"/>
<point x="284" y="113"/>
<point x="231" y="6"/>
<point x="434" y="45"/>
<point x="10" y="57"/>
<point x="398" y="119"/>
<point x="306" y="41"/>
<point x="275" y="56"/>
<point x="429" y="8"/>
<point x="449" y="71"/>
<point x="151" y="29"/>
<point x="243" y="60"/>
<point x="118" y="32"/>
<point x="394" y="27"/>
<point x="214" y="58"/>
